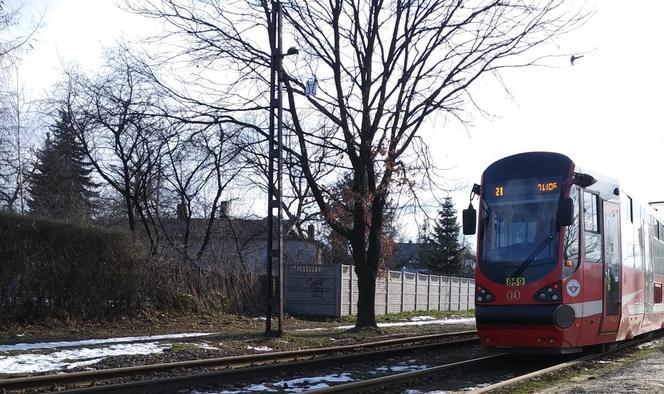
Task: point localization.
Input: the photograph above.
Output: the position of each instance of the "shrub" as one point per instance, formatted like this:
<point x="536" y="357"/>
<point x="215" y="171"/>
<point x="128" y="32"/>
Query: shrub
<point x="60" y="270"/>
<point x="56" y="270"/>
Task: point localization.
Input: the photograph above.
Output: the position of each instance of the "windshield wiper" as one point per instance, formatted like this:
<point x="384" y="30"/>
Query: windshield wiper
<point x="532" y="256"/>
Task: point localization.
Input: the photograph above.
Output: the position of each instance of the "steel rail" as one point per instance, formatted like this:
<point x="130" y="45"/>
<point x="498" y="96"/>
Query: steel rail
<point x="615" y="347"/>
<point x="375" y="383"/>
<point x="230" y="376"/>
<point x="540" y="372"/>
<point x="222" y="362"/>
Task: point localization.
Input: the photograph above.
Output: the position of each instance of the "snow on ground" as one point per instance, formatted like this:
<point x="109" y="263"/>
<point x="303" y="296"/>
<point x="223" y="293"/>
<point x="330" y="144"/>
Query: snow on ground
<point x="207" y="346"/>
<point x="260" y="348"/>
<point x="79" y="353"/>
<point x="420" y="321"/>
<point x="422" y="318"/>
<point x="93" y="342"/>
<point x="402" y="367"/>
<point x="72" y="358"/>
<point x="476" y="387"/>
<point x="298" y="385"/>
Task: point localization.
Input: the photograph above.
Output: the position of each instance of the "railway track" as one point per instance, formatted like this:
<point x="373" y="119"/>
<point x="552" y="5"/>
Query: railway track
<point x="384" y="383"/>
<point x="228" y="369"/>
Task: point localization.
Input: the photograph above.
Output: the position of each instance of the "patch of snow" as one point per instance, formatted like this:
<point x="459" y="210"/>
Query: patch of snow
<point x="402" y="367"/>
<point x="288" y="386"/>
<point x="207" y="346"/>
<point x="315" y="329"/>
<point x="335" y="378"/>
<point x="422" y="318"/>
<point x="469" y="320"/>
<point x="262" y="318"/>
<point x="318" y="386"/>
<point x="479" y="386"/>
<point x="412" y="391"/>
<point x="84" y="363"/>
<point x="92" y="342"/>
<point x="260" y="348"/>
<point x="650" y="344"/>
<point x="68" y="359"/>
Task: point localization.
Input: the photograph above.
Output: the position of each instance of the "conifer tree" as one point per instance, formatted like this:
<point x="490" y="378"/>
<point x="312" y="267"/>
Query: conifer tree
<point x="62" y="187"/>
<point x="441" y="251"/>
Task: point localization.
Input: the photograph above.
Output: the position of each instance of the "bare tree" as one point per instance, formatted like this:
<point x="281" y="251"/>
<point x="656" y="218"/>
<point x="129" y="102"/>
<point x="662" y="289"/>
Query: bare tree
<point x="113" y="115"/>
<point x="383" y="67"/>
<point x="12" y="42"/>
<point x="17" y="126"/>
<point x="200" y="163"/>
<point x="15" y="112"/>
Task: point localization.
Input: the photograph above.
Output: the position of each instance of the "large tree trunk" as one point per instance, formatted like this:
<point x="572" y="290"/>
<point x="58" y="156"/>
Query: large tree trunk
<point x="366" y="307"/>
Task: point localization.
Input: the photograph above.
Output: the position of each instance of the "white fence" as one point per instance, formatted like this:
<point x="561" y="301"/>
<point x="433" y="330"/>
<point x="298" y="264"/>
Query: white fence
<point x="331" y="290"/>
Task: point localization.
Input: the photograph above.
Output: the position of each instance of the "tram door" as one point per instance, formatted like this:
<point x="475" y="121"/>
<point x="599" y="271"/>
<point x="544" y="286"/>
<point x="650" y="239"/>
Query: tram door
<point x="612" y="267"/>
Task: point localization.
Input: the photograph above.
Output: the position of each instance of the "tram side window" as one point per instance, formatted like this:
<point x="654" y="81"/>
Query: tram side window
<point x="658" y="256"/>
<point x="638" y="239"/>
<point x="571" y="245"/>
<point x="627" y="231"/>
<point x="655" y="229"/>
<point x="591" y="226"/>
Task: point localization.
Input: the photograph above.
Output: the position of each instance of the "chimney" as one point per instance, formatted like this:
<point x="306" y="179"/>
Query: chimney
<point x="224" y="207"/>
<point x="311" y="232"/>
<point x="181" y="211"/>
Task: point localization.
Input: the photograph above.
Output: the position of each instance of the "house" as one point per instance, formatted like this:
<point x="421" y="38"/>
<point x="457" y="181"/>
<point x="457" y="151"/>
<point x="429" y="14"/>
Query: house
<point x="405" y="257"/>
<point x="240" y="244"/>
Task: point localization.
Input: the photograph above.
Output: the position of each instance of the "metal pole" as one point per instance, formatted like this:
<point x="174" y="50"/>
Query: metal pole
<point x="280" y="113"/>
<point x="271" y="190"/>
<point x="274" y="230"/>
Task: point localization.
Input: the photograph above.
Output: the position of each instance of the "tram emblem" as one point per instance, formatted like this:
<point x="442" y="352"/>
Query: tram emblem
<point x="573" y="288"/>
<point x="513" y="295"/>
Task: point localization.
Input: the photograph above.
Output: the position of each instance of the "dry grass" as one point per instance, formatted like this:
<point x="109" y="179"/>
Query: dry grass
<point x="233" y="333"/>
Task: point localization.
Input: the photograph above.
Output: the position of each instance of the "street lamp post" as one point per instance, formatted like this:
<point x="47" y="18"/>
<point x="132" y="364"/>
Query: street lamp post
<point x="275" y="241"/>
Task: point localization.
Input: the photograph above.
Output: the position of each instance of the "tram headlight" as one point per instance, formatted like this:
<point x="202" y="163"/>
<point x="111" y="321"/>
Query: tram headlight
<point x="550" y="293"/>
<point x="483" y="295"/>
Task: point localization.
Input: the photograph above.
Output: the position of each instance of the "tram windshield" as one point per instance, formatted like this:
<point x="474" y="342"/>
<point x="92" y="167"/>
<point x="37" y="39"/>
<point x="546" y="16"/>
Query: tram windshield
<point x="520" y="235"/>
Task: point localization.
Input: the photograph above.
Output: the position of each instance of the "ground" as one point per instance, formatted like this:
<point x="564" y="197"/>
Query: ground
<point x="230" y="335"/>
<point x="639" y="370"/>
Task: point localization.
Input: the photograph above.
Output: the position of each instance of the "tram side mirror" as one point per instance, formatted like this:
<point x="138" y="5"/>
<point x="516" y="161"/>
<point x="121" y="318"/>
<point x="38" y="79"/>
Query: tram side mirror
<point x="565" y="212"/>
<point x="469" y="220"/>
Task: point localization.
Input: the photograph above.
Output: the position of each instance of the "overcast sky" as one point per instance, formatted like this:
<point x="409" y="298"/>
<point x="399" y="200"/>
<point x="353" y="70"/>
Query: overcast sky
<point x="603" y="111"/>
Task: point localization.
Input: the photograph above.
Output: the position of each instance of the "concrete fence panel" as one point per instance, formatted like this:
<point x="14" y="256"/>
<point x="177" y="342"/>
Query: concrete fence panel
<point x="445" y="289"/>
<point x="347" y="298"/>
<point x="422" y="292"/>
<point x="409" y="292"/>
<point x="380" y="302"/>
<point x="332" y="290"/>
<point x="463" y="294"/>
<point x="434" y="293"/>
<point x="395" y="294"/>
<point x="312" y="290"/>
<point x="455" y="292"/>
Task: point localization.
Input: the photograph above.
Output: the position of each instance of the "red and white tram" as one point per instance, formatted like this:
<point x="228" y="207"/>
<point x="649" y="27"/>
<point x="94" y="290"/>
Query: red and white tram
<point x="566" y="259"/>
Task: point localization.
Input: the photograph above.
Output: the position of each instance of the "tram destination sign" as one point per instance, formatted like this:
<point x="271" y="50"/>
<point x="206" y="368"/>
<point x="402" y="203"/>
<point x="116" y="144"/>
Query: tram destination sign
<point x="522" y="188"/>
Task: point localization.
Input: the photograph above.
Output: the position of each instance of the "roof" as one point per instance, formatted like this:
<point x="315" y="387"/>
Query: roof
<point x="227" y="227"/>
<point x="405" y="253"/>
